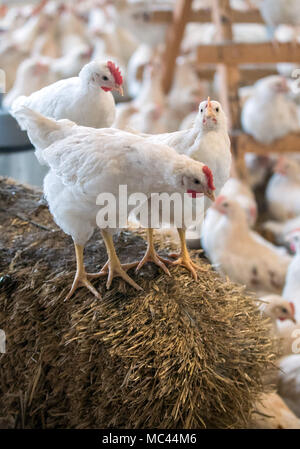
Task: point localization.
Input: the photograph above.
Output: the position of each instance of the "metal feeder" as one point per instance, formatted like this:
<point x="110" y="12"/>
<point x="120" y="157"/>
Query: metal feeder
<point x="11" y="136"/>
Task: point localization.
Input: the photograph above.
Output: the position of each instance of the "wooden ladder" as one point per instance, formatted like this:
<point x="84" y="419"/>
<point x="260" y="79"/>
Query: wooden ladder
<point x="229" y="59"/>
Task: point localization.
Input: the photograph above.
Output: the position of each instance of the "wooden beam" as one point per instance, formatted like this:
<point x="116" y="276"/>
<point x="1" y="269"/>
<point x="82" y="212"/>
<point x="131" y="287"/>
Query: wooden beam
<point x="173" y="41"/>
<point x="236" y="54"/>
<point x="247" y="144"/>
<point x="229" y="75"/>
<point x="205" y="16"/>
<point x="247" y="75"/>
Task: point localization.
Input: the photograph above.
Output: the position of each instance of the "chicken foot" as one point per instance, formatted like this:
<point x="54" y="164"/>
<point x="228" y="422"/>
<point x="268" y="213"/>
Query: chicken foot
<point x="184" y="258"/>
<point x="80" y="279"/>
<point x="113" y="266"/>
<point x="152" y="256"/>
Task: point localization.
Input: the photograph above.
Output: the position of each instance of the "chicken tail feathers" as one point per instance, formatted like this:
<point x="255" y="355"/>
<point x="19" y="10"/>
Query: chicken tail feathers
<point x="42" y="131"/>
<point x="38" y="127"/>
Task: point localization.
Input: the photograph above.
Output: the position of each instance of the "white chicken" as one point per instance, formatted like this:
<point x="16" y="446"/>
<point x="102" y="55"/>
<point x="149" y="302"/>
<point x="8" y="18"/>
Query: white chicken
<point x="276" y="308"/>
<point x="86" y="99"/>
<point x="135" y="69"/>
<point x="273" y="413"/>
<point x="291" y="289"/>
<point x="136" y="17"/>
<point x="148" y="119"/>
<point x="186" y="93"/>
<point x="70" y="65"/>
<point x="258" y="168"/>
<point x="290" y="336"/>
<point x="85" y="162"/>
<point x="277" y="12"/>
<point x="33" y="74"/>
<point x="26" y="35"/>
<point x="71" y="30"/>
<point x="289" y="381"/>
<point x="11" y="56"/>
<point x="269" y="114"/>
<point x="46" y="41"/>
<point x="207" y="141"/>
<point x="239" y="191"/>
<point x="234" y="250"/>
<point x="283" y="190"/>
<point x="281" y="229"/>
<point x="145" y="112"/>
<point x="188" y="121"/>
<point x="151" y="89"/>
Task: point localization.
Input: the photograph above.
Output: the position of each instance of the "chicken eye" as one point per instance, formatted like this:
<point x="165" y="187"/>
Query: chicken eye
<point x="284" y="310"/>
<point x="225" y="204"/>
<point x="105" y="78"/>
<point x="196" y="181"/>
<point x="217" y="109"/>
<point x="201" y="110"/>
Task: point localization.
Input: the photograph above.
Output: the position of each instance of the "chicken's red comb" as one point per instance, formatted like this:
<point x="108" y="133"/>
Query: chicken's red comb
<point x="209" y="176"/>
<point x="115" y="71"/>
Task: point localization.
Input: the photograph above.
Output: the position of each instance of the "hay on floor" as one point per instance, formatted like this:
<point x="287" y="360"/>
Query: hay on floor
<point x="178" y="355"/>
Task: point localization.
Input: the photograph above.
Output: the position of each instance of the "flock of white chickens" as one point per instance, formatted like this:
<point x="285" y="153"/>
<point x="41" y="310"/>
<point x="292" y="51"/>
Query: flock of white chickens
<point x="63" y="64"/>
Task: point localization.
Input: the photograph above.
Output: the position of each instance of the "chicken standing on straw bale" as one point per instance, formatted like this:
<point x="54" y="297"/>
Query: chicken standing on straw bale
<point x="208" y="142"/>
<point x="85" y="162"/>
<point x="86" y="99"/>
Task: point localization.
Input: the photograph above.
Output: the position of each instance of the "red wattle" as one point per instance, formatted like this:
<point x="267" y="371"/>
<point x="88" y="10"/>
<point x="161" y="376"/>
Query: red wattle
<point x="194" y="194"/>
<point x="106" y="89"/>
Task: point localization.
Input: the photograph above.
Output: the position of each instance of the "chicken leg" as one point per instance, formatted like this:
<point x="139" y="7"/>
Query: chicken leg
<point x="113" y="266"/>
<point x="152" y="256"/>
<point x="184" y="258"/>
<point x="81" y="275"/>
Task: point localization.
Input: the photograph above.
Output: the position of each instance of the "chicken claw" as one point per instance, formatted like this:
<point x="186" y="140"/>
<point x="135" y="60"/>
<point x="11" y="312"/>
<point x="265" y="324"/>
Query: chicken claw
<point x="119" y="270"/>
<point x="80" y="279"/>
<point x="116" y="270"/>
<point x="184" y="258"/>
<point x="113" y="266"/>
<point x="104" y="269"/>
<point x="152" y="256"/>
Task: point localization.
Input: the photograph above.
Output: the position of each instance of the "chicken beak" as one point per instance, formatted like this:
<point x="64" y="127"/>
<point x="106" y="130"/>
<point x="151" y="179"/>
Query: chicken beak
<point x="119" y="89"/>
<point x="210" y="194"/>
<point x="209" y="113"/>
